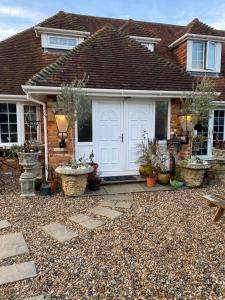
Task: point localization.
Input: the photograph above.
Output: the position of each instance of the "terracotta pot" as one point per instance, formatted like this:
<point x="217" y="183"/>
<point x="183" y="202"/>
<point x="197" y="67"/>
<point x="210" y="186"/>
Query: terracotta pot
<point x="163" y="178"/>
<point x="54" y="185"/>
<point x="150" y="182"/>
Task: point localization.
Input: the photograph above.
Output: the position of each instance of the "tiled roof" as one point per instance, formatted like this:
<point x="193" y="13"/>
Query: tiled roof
<point x="21" y="56"/>
<point x="197" y="27"/>
<point x="114" y="61"/>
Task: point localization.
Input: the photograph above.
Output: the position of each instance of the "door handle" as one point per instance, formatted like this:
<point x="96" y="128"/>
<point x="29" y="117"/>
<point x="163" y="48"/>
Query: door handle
<point x="122" y="137"/>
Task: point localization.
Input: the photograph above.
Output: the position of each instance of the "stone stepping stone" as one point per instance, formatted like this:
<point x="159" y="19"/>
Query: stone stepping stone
<point x="41" y="297"/>
<point x="86" y="221"/>
<point x="59" y="232"/>
<point x="106" y="212"/>
<point x="17" y="272"/>
<point x="107" y="203"/>
<point x="123" y="204"/>
<point x="4" y="224"/>
<point x="12" y="244"/>
<point x="119" y="197"/>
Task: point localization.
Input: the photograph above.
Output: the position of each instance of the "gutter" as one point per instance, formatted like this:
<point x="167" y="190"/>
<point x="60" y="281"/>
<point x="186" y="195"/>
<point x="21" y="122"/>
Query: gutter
<point x="30" y="98"/>
<point x="110" y="92"/>
<point x="194" y="36"/>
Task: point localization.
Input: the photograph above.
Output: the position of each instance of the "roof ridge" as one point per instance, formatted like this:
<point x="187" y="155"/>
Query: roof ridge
<point x="62" y="59"/>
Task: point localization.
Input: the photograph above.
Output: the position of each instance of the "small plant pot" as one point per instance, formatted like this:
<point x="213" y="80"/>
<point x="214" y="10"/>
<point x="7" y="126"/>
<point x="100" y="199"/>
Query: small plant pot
<point x="46" y="191"/>
<point x="93" y="174"/>
<point x="150" y="182"/>
<point x="38" y="184"/>
<point x="163" y="178"/>
<point x="54" y="185"/>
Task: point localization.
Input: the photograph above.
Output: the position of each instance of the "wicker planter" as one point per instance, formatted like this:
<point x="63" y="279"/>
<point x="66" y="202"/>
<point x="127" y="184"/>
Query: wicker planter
<point x="74" y="181"/>
<point x="193" y="174"/>
<point x="218" y="154"/>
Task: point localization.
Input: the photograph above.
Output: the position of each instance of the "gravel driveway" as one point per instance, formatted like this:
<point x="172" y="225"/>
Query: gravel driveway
<point x="164" y="247"/>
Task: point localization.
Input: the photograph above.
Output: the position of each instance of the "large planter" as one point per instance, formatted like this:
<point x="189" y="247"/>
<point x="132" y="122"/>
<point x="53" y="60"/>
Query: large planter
<point x="218" y="154"/>
<point x="27" y="178"/>
<point x="193" y="174"/>
<point x="74" y="181"/>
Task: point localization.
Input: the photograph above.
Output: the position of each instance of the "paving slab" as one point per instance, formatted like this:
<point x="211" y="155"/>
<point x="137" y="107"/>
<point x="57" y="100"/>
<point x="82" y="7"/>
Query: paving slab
<point x="107" y="203"/>
<point x="118" y="197"/>
<point x="17" y="272"/>
<point x="124" y="188"/>
<point x="41" y="297"/>
<point x="86" y="221"/>
<point x="12" y="244"/>
<point x="106" y="212"/>
<point x="4" y="224"/>
<point x="59" y="232"/>
<point x="123" y="204"/>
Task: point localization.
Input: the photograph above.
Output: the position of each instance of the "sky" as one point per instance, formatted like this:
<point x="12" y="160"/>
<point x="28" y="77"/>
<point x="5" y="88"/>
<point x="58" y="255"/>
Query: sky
<point x="17" y="15"/>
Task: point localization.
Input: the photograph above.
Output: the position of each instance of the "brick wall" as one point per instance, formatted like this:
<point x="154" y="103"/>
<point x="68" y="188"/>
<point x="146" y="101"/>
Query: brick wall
<point x="57" y="155"/>
<point x="180" y="53"/>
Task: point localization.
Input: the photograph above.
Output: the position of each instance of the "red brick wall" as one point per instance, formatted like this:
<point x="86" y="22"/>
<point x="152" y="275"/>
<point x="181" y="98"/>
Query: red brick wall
<point x="57" y="155"/>
<point x="180" y="53"/>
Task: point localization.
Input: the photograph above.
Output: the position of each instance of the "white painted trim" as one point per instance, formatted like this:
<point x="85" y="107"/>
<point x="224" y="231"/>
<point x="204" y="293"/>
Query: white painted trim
<point x="193" y="36"/>
<point x="110" y="92"/>
<point x="13" y="98"/>
<point x="169" y="119"/>
<point x="143" y="39"/>
<point x="75" y="33"/>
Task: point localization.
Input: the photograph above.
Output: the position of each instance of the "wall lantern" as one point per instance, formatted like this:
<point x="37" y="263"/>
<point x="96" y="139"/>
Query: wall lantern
<point x="62" y="125"/>
<point x="186" y="123"/>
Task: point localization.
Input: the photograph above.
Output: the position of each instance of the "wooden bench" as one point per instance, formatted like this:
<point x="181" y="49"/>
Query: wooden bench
<point x="216" y="200"/>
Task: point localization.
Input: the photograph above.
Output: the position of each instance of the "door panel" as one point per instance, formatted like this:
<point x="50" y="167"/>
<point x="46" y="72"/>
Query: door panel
<point x="108" y="124"/>
<point x="139" y="118"/>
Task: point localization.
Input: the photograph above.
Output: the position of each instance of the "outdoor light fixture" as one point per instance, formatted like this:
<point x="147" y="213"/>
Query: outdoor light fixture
<point x="62" y="125"/>
<point x="186" y="123"/>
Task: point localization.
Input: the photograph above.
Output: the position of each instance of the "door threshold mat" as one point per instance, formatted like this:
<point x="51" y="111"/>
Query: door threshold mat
<point x="119" y="178"/>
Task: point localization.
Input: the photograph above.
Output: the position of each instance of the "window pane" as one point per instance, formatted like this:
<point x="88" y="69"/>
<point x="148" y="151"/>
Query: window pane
<point x="30" y="126"/>
<point x="12" y="108"/>
<point x="218" y="126"/>
<point x="3" y="108"/>
<point x="212" y="56"/>
<point x="8" y="123"/>
<point x="201" y="148"/>
<point x="85" y="126"/>
<point x="3" y="118"/>
<point x="161" y="120"/>
<point x="197" y="55"/>
<point x="62" y="41"/>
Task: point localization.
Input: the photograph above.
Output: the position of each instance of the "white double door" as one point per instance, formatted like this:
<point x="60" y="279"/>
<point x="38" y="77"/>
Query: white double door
<point x="118" y="128"/>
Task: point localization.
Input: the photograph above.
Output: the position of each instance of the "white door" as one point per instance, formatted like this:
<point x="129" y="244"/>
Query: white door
<point x="118" y="127"/>
<point x="107" y="135"/>
<point x="139" y="118"/>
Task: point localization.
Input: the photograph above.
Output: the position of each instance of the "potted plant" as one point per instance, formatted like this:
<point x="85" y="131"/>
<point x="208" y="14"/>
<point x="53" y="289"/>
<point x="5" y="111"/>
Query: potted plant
<point x="94" y="183"/>
<point x="46" y="189"/>
<point x="94" y="165"/>
<point x="147" y="155"/>
<point x="176" y="181"/>
<point x="74" y="176"/>
<point x="162" y="164"/>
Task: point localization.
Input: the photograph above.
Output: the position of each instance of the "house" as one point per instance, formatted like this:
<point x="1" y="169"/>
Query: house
<point x="137" y="73"/>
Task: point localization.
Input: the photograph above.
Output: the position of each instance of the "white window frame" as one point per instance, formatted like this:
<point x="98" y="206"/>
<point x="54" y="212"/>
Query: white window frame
<point x="45" y="41"/>
<point x="205" y="56"/>
<point x="149" y="46"/>
<point x="20" y="123"/>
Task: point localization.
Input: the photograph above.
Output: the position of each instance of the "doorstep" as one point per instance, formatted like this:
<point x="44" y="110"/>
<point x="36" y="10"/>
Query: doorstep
<point x="124" y="188"/>
<point x="137" y="178"/>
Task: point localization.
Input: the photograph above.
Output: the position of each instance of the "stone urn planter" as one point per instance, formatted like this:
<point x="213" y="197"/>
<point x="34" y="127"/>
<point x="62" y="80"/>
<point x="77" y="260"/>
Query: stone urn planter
<point x="27" y="178"/>
<point x="193" y="174"/>
<point x="74" y="181"/>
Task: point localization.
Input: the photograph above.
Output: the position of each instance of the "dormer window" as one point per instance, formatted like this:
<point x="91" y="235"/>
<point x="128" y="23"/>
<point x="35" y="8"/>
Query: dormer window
<point x="61" y="39"/>
<point x="61" y="42"/>
<point x="203" y="56"/>
<point x="148" y="42"/>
